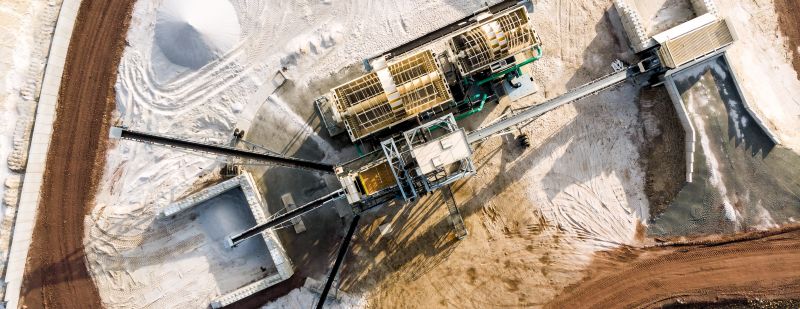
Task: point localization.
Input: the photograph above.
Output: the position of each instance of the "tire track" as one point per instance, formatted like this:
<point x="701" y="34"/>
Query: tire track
<point x="56" y="274"/>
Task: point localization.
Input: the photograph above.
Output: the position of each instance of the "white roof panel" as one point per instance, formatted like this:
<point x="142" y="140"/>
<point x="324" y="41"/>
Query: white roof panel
<point x="443" y="151"/>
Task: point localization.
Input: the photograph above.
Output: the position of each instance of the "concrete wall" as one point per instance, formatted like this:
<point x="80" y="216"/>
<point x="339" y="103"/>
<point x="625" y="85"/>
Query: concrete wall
<point x="40" y="142"/>
<point x="258" y="208"/>
<point x="632" y="23"/>
<point x="683" y="115"/>
<point x="704" y="6"/>
<point x="688" y="128"/>
<point x="747" y="107"/>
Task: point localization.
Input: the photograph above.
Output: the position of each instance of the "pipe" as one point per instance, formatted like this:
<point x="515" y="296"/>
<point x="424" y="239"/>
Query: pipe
<point x="268" y="158"/>
<point x="475" y="109"/>
<point x="513" y="68"/>
<point x="234" y="240"/>
<point x="358" y="150"/>
<point x="468" y="113"/>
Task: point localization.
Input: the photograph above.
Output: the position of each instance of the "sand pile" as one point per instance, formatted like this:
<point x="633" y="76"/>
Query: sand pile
<point x="192" y="35"/>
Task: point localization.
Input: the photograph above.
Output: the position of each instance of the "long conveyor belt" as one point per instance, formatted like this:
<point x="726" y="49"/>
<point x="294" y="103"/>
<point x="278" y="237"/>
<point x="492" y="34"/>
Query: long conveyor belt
<point x="338" y="263"/>
<point x="279" y="219"/>
<point x="224" y="150"/>
<point x="535" y="111"/>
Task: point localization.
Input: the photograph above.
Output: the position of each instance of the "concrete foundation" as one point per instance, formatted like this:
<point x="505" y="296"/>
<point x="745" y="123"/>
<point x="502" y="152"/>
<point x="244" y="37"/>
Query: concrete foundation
<point x="258" y="208"/>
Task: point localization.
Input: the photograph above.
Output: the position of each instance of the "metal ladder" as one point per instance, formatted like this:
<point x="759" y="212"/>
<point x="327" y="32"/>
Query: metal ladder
<point x="455" y="215"/>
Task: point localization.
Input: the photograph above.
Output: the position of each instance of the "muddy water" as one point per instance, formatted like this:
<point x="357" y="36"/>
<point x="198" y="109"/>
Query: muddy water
<point x="743" y="180"/>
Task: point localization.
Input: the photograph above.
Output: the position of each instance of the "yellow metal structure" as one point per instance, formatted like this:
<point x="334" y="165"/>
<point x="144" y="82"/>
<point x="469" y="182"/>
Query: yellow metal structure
<point x="496" y="39"/>
<point x="390" y="95"/>
<point x="376" y="178"/>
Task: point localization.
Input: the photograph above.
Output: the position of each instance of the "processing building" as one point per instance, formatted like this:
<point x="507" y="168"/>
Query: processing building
<point x="394" y="92"/>
<point x="493" y="41"/>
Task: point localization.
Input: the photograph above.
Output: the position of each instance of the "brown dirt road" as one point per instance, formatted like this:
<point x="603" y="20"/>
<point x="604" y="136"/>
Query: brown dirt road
<point x="762" y="265"/>
<point x="55" y="274"/>
<point x="789" y="24"/>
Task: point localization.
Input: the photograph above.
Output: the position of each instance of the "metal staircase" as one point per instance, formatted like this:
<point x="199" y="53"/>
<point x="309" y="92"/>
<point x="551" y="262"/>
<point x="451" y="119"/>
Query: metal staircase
<point x="455" y="215"/>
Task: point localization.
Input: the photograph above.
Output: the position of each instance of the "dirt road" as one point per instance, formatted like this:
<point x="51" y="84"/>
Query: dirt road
<point x="755" y="265"/>
<point x="56" y="275"/>
<point x="789" y="24"/>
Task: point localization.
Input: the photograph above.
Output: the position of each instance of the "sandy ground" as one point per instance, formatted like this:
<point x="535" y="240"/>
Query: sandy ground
<point x="762" y="58"/>
<point x="788" y="23"/>
<point x="664" y="156"/>
<point x="762" y="265"/>
<point x="522" y="256"/>
<point x="193" y="240"/>
<point x="580" y="189"/>
<point x="660" y="15"/>
<point x="26" y="29"/>
<point x="56" y="274"/>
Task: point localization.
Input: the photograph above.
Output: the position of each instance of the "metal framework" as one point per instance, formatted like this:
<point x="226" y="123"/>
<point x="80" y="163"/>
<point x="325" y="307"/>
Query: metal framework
<point x="493" y="41"/>
<point x="390" y="95"/>
<point x="431" y="132"/>
<point x="696" y="44"/>
<point x="398" y="167"/>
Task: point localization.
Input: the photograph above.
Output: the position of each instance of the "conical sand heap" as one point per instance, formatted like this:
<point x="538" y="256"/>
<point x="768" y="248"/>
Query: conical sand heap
<point x="193" y="33"/>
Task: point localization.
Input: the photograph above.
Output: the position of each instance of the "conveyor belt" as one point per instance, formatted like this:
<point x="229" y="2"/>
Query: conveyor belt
<point x="285" y="217"/>
<point x="225" y="150"/>
<point x="338" y="263"/>
<point x="569" y="97"/>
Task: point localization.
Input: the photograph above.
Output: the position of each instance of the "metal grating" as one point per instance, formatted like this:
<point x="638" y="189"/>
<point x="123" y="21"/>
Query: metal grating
<point x="391" y="95"/>
<point x="492" y="41"/>
<point x="696" y="44"/>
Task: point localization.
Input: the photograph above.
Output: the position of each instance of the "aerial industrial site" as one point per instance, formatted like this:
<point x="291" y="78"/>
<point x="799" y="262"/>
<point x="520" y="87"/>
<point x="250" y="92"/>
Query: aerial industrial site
<point x="400" y="154"/>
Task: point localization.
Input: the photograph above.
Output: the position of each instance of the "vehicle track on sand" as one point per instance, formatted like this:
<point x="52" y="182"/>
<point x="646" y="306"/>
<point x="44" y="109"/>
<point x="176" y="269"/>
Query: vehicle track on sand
<point x="56" y="274"/>
<point x="763" y="265"/>
<point x="184" y="93"/>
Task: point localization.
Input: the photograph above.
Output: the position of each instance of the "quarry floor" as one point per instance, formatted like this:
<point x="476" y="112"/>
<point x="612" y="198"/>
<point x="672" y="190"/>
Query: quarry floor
<point x="756" y="265"/>
<point x="536" y="217"/>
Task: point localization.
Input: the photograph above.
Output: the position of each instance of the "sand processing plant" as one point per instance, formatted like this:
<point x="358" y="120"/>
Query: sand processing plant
<point x="403" y="112"/>
<point x="457" y="154"/>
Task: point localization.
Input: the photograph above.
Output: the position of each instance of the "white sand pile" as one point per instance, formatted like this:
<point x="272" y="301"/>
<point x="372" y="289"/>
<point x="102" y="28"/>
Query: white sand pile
<point x="192" y="34"/>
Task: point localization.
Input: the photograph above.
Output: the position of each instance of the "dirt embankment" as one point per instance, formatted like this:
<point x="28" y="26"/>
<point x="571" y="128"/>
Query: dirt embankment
<point x="665" y="166"/>
<point x="789" y="24"/>
<point x="763" y="265"/>
<point x="56" y="275"/>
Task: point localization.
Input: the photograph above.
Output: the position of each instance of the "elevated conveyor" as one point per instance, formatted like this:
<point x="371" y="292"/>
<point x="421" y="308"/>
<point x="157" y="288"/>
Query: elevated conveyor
<point x="338" y="263"/>
<point x="271" y="159"/>
<point x="583" y="91"/>
<point x="285" y="217"/>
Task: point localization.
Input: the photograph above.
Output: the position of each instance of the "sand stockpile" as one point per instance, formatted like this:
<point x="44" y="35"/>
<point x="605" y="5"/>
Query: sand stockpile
<point x="192" y="35"/>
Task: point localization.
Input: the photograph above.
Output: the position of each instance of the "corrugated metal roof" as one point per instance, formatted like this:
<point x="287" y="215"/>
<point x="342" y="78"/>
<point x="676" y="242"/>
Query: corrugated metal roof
<point x="696" y="44"/>
<point x="390" y="95"/>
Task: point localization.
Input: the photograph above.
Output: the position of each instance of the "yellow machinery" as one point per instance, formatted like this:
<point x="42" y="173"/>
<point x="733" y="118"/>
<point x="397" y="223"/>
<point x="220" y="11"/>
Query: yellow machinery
<point x="492" y="41"/>
<point x="390" y="94"/>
